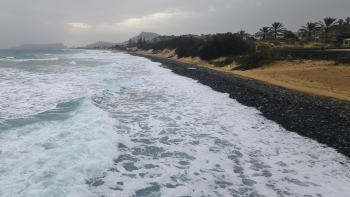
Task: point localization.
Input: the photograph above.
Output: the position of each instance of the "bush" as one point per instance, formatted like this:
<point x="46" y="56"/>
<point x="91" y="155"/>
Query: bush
<point x="263" y="47"/>
<point x="146" y="46"/>
<point x="226" y="62"/>
<point x="276" y="43"/>
<point x="224" y="45"/>
<point x="185" y="47"/>
<point x="255" y="60"/>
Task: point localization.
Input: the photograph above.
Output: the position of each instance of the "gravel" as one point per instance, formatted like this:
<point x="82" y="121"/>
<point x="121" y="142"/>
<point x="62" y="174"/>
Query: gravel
<point x="324" y="120"/>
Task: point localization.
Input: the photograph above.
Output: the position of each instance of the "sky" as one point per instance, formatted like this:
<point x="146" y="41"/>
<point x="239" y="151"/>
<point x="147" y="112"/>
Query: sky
<point x="82" y="22"/>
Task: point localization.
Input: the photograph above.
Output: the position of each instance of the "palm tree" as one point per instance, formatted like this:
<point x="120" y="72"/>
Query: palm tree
<point x="308" y="29"/>
<point x="242" y="33"/>
<point x="327" y="23"/>
<point x="277" y="27"/>
<point x="264" y="31"/>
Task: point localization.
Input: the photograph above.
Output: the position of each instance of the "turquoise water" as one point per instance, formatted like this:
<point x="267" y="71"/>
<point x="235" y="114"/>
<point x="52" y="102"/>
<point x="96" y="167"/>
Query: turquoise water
<point x="95" y="123"/>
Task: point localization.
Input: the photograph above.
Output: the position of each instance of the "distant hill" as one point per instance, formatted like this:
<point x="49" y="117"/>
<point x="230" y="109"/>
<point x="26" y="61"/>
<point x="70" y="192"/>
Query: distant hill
<point x="41" y="46"/>
<point x="146" y="35"/>
<point x="101" y="44"/>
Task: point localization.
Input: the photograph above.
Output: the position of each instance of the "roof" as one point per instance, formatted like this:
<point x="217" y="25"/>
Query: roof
<point x="347" y="39"/>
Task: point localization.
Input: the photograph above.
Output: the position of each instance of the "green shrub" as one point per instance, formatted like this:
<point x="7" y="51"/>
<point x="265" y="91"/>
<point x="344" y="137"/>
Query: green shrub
<point x="185" y="47"/>
<point x="224" y="45"/>
<point x="223" y="63"/>
<point x="276" y="43"/>
<point x="263" y="47"/>
<point x="255" y="60"/>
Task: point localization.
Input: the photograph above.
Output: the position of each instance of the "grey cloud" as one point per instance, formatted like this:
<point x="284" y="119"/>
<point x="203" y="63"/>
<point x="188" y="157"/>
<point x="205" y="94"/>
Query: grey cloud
<point x="80" y="22"/>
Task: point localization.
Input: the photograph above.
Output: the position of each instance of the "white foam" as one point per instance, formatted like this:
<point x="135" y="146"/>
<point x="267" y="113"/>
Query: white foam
<point x="199" y="141"/>
<point x="57" y="158"/>
<point x="231" y="149"/>
<point x="72" y="63"/>
<point x="26" y="93"/>
<point x="27" y="60"/>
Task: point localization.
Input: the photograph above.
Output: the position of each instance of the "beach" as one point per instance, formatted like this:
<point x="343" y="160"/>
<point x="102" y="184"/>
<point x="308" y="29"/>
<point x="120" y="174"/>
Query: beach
<point x="321" y="119"/>
<point x="320" y="78"/>
<point x="98" y="123"/>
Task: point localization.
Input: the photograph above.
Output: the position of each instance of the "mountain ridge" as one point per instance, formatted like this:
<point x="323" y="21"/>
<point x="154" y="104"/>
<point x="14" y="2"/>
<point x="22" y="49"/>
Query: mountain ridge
<point x="146" y="35"/>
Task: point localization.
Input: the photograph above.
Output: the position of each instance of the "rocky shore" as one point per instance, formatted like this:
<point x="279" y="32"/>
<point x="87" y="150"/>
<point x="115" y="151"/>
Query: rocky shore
<point x="321" y="119"/>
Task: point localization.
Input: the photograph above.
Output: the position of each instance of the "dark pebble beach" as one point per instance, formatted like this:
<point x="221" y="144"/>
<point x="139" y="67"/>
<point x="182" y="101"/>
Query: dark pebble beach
<point x="325" y="120"/>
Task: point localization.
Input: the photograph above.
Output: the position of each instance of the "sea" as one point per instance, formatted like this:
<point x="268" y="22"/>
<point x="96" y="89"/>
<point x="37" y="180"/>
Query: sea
<point x="97" y="123"/>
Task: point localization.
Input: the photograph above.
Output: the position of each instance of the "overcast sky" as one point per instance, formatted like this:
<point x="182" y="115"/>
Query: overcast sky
<point x="82" y="22"/>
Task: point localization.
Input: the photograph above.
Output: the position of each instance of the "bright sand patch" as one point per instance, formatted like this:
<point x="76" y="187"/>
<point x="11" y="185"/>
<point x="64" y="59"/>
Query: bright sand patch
<point x="319" y="78"/>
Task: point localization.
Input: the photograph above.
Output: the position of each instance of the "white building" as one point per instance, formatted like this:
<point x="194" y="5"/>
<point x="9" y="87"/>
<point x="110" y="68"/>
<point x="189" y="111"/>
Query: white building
<point x="346" y="43"/>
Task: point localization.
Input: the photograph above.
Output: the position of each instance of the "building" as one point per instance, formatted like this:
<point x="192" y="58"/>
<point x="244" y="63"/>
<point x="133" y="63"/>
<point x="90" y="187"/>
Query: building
<point x="165" y="38"/>
<point x="346" y="43"/>
<point x="132" y="49"/>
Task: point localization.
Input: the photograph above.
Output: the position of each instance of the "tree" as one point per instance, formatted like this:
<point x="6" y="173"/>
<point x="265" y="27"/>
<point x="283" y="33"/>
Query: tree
<point x="340" y="22"/>
<point x="139" y="41"/>
<point x="308" y="29"/>
<point x="277" y="27"/>
<point x="290" y="35"/>
<point x="144" y="40"/>
<point x="258" y="34"/>
<point x="264" y="31"/>
<point x="327" y="23"/>
<point x="347" y="21"/>
<point x="242" y="33"/>
<point x="130" y="42"/>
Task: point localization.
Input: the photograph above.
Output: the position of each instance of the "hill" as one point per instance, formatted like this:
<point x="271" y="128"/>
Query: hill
<point x="41" y="46"/>
<point x="100" y="44"/>
<point x="146" y="35"/>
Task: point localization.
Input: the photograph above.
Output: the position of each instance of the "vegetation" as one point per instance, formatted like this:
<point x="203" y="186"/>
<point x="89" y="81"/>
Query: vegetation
<point x="264" y="32"/>
<point x="277" y="27"/>
<point x="223" y="63"/>
<point x="327" y="23"/>
<point x="308" y="30"/>
<point x="247" y="52"/>
<point x="185" y="47"/>
<point x="223" y="45"/>
<point x="255" y="59"/>
<point x="242" y="33"/>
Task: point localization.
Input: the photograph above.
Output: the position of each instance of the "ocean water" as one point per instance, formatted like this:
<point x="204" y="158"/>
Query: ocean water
<point x="94" y="123"/>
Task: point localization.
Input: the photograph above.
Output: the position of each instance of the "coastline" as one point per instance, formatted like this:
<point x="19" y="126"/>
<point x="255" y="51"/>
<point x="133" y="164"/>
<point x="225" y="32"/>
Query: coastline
<point x="325" y="120"/>
<point x="319" y="78"/>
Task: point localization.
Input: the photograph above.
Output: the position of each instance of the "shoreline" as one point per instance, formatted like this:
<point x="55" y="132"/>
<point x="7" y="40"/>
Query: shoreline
<point x="322" y="119"/>
<point x="319" y="78"/>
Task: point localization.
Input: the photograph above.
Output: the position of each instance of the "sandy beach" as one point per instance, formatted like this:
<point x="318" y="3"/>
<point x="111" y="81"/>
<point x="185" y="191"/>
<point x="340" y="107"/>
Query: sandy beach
<point x="320" y="78"/>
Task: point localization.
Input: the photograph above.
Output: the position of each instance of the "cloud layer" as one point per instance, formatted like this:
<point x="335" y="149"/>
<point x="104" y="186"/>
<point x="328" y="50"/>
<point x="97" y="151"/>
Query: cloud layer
<point x="81" y="22"/>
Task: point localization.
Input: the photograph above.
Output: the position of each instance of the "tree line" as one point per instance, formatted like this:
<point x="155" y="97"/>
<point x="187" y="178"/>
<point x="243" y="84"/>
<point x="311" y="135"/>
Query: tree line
<point x="218" y="45"/>
<point x="327" y="28"/>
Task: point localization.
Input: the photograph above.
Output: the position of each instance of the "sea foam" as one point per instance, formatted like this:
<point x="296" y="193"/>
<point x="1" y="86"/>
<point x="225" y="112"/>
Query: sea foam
<point x="119" y="125"/>
<point x="57" y="158"/>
